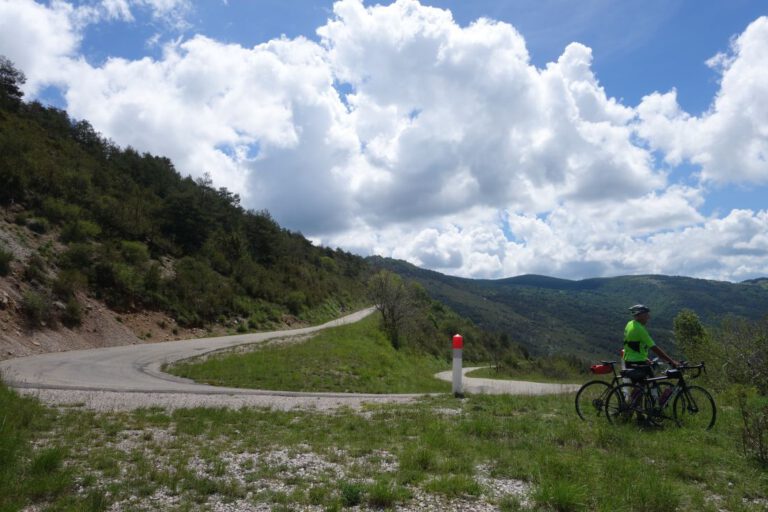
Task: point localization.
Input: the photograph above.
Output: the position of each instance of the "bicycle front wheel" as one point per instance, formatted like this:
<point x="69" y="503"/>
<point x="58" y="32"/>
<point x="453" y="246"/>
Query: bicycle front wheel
<point x="591" y="398"/>
<point x="624" y="402"/>
<point x="695" y="407"/>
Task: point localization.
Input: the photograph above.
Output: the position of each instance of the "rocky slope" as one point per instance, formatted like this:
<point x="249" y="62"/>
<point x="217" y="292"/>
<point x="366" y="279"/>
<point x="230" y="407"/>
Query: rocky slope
<point x="100" y="327"/>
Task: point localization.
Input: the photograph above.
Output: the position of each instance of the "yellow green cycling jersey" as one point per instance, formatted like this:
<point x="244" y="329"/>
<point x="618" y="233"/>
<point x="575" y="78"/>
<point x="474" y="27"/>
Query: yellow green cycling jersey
<point x="637" y="342"/>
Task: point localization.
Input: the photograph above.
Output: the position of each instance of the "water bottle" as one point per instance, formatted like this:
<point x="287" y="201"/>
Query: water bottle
<point x="665" y="395"/>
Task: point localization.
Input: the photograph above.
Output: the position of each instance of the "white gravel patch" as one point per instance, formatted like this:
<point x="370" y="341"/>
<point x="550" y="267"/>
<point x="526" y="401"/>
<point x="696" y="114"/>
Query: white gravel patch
<point x="112" y="401"/>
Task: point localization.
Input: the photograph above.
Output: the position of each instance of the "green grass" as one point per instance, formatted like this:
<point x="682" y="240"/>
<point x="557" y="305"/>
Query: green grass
<point x="439" y="446"/>
<point x="454" y="451"/>
<point x="27" y="472"/>
<point x="354" y="358"/>
<point x="505" y="452"/>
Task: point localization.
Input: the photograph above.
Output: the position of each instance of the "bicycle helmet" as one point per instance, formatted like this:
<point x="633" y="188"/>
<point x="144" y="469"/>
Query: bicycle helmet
<point x="638" y="309"/>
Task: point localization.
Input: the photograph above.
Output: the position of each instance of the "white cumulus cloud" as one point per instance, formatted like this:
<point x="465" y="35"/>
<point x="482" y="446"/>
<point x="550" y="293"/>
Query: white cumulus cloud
<point x="730" y="141"/>
<point x="447" y="146"/>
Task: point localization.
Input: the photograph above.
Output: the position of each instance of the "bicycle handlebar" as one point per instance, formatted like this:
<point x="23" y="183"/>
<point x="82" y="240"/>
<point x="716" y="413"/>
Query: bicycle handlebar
<point x="699" y="367"/>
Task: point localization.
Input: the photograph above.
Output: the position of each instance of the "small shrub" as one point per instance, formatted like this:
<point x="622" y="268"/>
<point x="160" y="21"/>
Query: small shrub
<point x="47" y="462"/>
<point x="69" y="282"/>
<point x="134" y="253"/>
<point x="96" y="501"/>
<point x="21" y="219"/>
<point x="6" y="257"/>
<point x="73" y="313"/>
<point x="59" y="211"/>
<point x="319" y="495"/>
<point x="37" y="309"/>
<point x="39" y="225"/>
<point x="351" y="494"/>
<point x="562" y="495"/>
<point x="79" y="231"/>
<point x="383" y="494"/>
<point x="295" y="302"/>
<point x="35" y="270"/>
<point x="754" y="429"/>
<point x="79" y="256"/>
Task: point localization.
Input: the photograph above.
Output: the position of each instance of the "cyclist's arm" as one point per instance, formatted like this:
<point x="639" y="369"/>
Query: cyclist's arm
<point x="660" y="352"/>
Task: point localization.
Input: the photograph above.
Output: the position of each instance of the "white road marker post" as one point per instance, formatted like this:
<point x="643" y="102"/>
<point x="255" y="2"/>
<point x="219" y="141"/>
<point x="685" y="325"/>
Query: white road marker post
<point x="458" y="348"/>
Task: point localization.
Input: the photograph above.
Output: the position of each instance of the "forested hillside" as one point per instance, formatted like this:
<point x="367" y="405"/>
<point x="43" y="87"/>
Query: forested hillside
<point x="83" y="219"/>
<point x="129" y="229"/>
<point x="585" y="318"/>
<point x="84" y="222"/>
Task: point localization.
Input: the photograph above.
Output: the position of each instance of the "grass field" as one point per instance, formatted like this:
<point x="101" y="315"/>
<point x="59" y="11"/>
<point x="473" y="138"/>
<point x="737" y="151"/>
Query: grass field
<point x="481" y="453"/>
<point x="355" y="358"/>
<point x="503" y="453"/>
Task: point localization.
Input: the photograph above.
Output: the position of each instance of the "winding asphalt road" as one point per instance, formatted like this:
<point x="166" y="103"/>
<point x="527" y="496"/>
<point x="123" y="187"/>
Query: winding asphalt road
<point x="128" y="377"/>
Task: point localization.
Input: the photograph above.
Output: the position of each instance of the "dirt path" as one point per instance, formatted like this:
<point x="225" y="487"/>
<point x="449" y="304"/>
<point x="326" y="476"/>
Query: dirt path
<point x="129" y="377"/>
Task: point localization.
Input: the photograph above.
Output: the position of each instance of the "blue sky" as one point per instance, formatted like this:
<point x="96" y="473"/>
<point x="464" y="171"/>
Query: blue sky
<point x="554" y="137"/>
<point x="639" y="46"/>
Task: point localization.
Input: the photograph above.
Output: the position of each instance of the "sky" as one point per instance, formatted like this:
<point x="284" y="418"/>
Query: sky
<point x="483" y="139"/>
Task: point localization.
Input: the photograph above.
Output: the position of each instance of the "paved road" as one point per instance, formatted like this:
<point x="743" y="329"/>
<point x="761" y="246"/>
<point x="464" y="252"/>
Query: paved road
<point x="129" y="377"/>
<point x="509" y="387"/>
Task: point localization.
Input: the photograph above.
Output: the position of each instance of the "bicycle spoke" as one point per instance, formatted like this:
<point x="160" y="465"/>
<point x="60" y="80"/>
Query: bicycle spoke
<point x="695" y="408"/>
<point x="624" y="403"/>
<point x="658" y="412"/>
<point x="591" y="398"/>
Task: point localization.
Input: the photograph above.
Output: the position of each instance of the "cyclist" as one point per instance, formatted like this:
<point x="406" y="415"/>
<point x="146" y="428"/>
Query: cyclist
<point x="637" y="344"/>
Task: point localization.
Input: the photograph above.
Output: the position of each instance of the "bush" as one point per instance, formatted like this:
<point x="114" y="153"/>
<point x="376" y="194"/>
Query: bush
<point x="6" y="257"/>
<point x="79" y="231"/>
<point x="754" y="433"/>
<point x="135" y="253"/>
<point x="78" y="256"/>
<point x="351" y="494"/>
<point x="39" y="225"/>
<point x="37" y="309"/>
<point x="743" y="347"/>
<point x="68" y="283"/>
<point x="59" y="211"/>
<point x="21" y="219"/>
<point x="295" y="302"/>
<point x="35" y="270"/>
<point x="73" y="313"/>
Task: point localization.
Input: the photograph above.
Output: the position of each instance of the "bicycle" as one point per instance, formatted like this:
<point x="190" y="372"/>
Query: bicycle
<point x="592" y="396"/>
<point x="654" y="401"/>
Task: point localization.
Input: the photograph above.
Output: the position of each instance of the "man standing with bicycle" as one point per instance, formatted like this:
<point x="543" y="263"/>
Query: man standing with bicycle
<point x="637" y="344"/>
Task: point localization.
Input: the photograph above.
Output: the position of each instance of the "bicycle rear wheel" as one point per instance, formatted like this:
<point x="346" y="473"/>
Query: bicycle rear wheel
<point x="695" y="407"/>
<point x="658" y="413"/>
<point x="624" y="402"/>
<point x="591" y="398"/>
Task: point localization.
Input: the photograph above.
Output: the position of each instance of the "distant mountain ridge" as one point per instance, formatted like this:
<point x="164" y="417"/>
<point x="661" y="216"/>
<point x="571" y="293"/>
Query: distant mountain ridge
<point x="586" y="318"/>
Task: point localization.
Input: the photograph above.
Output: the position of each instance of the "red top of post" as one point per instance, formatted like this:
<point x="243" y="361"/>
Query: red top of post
<point x="458" y="341"/>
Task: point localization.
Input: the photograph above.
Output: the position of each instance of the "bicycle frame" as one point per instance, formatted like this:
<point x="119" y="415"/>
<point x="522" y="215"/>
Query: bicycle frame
<point x="680" y="386"/>
<point x="645" y="399"/>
